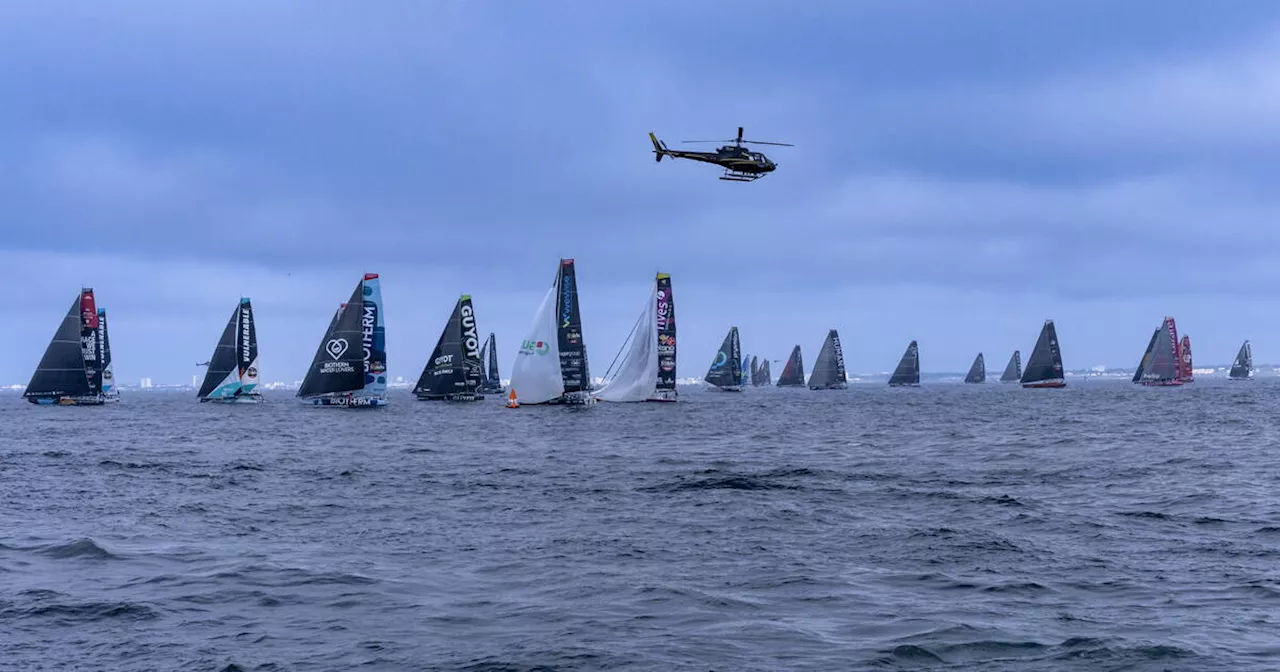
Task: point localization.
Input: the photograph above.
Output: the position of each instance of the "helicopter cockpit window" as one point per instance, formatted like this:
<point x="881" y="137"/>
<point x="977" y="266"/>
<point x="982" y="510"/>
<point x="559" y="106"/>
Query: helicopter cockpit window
<point x="756" y="156"/>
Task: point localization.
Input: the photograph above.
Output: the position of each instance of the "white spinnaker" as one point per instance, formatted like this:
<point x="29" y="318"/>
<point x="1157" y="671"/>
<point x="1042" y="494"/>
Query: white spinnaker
<point x="536" y="376"/>
<point x="636" y="378"/>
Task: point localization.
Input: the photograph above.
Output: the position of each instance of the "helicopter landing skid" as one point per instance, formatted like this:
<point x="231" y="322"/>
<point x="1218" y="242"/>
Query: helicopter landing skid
<point x="736" y="176"/>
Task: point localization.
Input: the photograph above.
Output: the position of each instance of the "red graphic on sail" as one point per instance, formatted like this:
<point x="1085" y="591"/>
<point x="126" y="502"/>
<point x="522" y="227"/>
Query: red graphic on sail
<point x="88" y="310"/>
<point x="1184" y="360"/>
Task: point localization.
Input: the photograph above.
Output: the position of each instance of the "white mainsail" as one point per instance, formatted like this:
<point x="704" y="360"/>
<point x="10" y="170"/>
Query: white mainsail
<point x="536" y="376"/>
<point x="636" y="378"/>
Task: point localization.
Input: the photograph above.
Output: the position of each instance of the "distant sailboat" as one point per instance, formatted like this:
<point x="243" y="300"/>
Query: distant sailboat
<point x="69" y="373"/>
<point x="793" y="371"/>
<point x="828" y="369"/>
<point x="455" y="369"/>
<point x="1013" y="370"/>
<point x="755" y="371"/>
<point x="489" y="357"/>
<point x="110" y="393"/>
<point x="233" y="369"/>
<point x="551" y="367"/>
<point x="746" y="371"/>
<point x="1146" y="357"/>
<point x="1162" y="370"/>
<point x="1044" y="369"/>
<point x="977" y="371"/>
<point x="1185" y="371"/>
<point x="766" y="377"/>
<point x="638" y="373"/>
<point x="349" y="367"/>
<point x="725" y="373"/>
<point x="908" y="372"/>
<point x="1242" y="367"/>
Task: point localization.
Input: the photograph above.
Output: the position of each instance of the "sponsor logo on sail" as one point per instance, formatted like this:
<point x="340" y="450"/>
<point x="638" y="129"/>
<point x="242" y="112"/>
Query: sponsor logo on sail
<point x="245" y="323"/>
<point x="534" y="348"/>
<point x="471" y="340"/>
<point x="251" y="372"/>
<point x="367" y="321"/>
<point x="664" y="309"/>
<point x="721" y="360"/>
<point x="336" y="347"/>
<point x="443" y="359"/>
<point x="566" y="299"/>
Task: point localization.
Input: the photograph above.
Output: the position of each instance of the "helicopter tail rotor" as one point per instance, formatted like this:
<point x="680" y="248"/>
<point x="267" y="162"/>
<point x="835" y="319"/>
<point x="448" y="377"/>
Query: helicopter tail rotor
<point x="659" y="147"/>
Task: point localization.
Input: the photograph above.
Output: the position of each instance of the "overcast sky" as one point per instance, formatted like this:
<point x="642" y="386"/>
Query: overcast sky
<point x="961" y="172"/>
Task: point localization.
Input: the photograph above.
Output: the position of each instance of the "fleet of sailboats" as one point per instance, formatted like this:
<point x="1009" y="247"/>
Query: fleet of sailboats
<point x="349" y="366"/>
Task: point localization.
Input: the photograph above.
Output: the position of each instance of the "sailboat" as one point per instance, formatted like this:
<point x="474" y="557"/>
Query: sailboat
<point x="766" y="377"/>
<point x="455" y="370"/>
<point x="1242" y="367"/>
<point x="70" y="373"/>
<point x="725" y="373"/>
<point x="828" y="370"/>
<point x="793" y="371"/>
<point x="349" y="368"/>
<point x="110" y="393"/>
<point x="1146" y="357"/>
<point x="1185" y="372"/>
<point x="746" y="371"/>
<point x="645" y="369"/>
<point x="977" y="371"/>
<point x="1013" y="370"/>
<point x="492" y="383"/>
<point x="232" y="375"/>
<point x="1044" y="368"/>
<point x="551" y="367"/>
<point x="908" y="372"/>
<point x="1162" y="369"/>
<point x="755" y="371"/>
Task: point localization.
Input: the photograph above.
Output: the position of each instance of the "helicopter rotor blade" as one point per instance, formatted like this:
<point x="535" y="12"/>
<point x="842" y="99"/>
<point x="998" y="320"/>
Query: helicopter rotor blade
<point x="706" y="141"/>
<point x="762" y="142"/>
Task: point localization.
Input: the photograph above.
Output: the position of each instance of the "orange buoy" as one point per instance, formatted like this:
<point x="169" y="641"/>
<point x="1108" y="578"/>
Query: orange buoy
<point x="511" y="399"/>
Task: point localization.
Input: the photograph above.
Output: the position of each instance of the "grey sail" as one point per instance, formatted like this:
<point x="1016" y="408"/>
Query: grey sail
<point x="755" y="371"/>
<point x="908" y="371"/>
<point x="1044" y="368"/>
<point x="338" y="365"/>
<point x="1163" y="366"/>
<point x="1013" y="370"/>
<point x="766" y="378"/>
<point x="489" y="355"/>
<point x="828" y="369"/>
<point x="61" y="372"/>
<point x="1146" y="357"/>
<point x="978" y="371"/>
<point x="224" y="361"/>
<point x="1242" y="367"/>
<point x="793" y="371"/>
<point x="726" y="369"/>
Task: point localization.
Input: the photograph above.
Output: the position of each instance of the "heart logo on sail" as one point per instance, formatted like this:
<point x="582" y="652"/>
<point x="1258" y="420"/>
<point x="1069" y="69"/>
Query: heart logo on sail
<point x="335" y="347"/>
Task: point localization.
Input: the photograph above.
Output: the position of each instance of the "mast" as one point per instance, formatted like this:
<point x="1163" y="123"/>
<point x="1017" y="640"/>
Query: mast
<point x="665" y="309"/>
<point x="90" y="351"/>
<point x="1186" y="372"/>
<point x="373" y="339"/>
<point x="222" y="378"/>
<point x="1242" y="367"/>
<point x="61" y="373"/>
<point x="907" y="373"/>
<point x="247" y="352"/>
<point x="1146" y="357"/>
<point x="1044" y="369"/>
<point x="726" y="368"/>
<point x="977" y="371"/>
<point x="793" y="371"/>
<point x="828" y="369"/>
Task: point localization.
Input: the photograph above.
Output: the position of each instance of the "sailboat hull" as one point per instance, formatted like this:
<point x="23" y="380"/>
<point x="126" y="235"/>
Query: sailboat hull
<point x="347" y="401"/>
<point x="728" y="388"/>
<point x="1162" y="383"/>
<point x="462" y="396"/>
<point x="837" y="386"/>
<point x="67" y="401"/>
<point x="253" y="398"/>
<point x="904" y="384"/>
<point x="663" y="396"/>
<point x="1045" y="384"/>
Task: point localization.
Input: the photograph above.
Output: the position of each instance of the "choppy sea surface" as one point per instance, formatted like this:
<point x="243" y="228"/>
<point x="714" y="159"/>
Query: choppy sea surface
<point x="1099" y="527"/>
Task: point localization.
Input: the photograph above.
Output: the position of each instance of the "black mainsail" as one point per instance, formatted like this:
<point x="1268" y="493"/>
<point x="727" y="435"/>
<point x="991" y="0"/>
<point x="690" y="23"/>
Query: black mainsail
<point x="793" y="371"/>
<point x="337" y="370"/>
<point x="1162" y="369"/>
<point x="454" y="370"/>
<point x="666" y="322"/>
<point x="828" y="369"/>
<point x="489" y="356"/>
<point x="222" y="378"/>
<point x="1146" y="357"/>
<point x="1013" y="370"/>
<point x="1044" y="369"/>
<point x="726" y="369"/>
<point x="766" y="377"/>
<point x="62" y="377"/>
<point x="755" y="371"/>
<point x="1242" y="367"/>
<point x="573" y="350"/>
<point x="977" y="371"/>
<point x="109" y="390"/>
<point x="907" y="374"/>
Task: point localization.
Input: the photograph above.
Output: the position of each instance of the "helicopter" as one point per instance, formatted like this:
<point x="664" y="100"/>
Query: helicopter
<point x="740" y="164"/>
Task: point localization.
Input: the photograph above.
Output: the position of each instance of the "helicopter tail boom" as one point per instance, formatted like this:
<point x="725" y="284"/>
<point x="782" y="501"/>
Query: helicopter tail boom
<point x="659" y="147"/>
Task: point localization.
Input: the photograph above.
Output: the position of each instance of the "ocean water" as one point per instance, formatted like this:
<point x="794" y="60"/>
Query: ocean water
<point x="1100" y="527"/>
